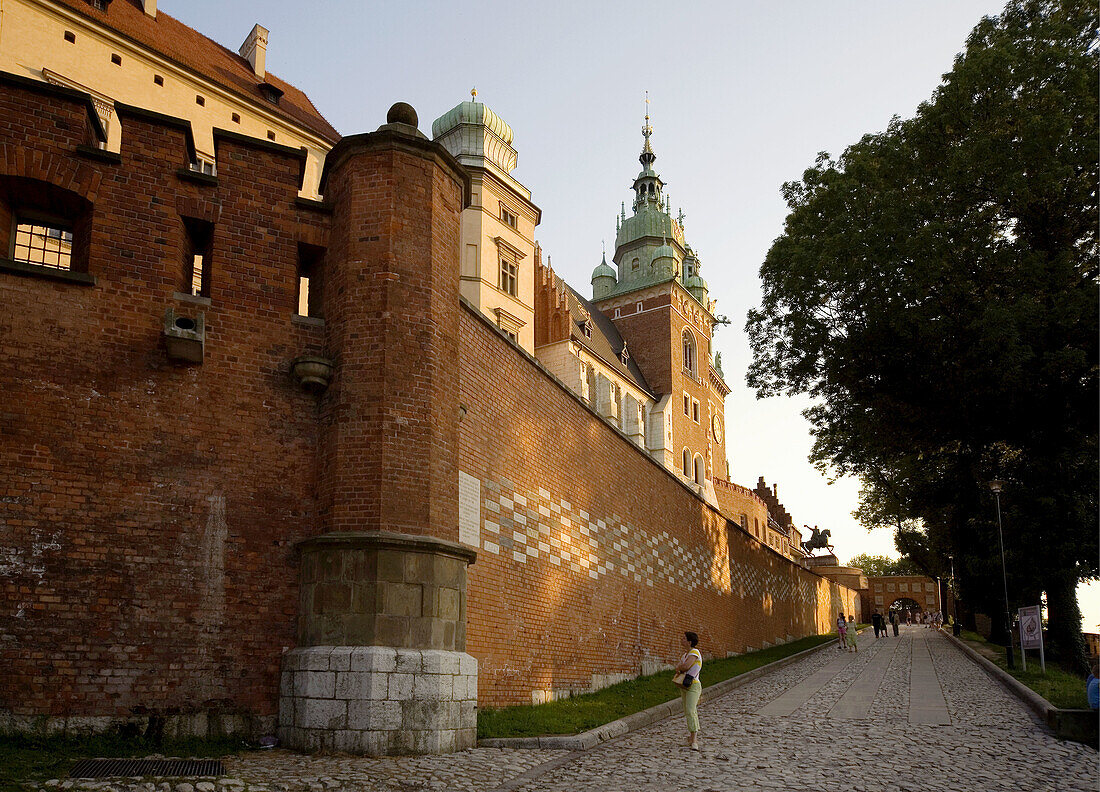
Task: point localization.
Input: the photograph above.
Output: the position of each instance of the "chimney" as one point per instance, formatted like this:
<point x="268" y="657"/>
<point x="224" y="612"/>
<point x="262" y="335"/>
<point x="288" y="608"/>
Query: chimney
<point x="150" y="7"/>
<point x="254" y="49"/>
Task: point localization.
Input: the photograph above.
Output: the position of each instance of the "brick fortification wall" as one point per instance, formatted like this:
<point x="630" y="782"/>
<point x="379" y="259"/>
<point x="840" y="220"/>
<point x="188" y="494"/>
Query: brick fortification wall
<point x="592" y="559"/>
<point x="148" y="510"/>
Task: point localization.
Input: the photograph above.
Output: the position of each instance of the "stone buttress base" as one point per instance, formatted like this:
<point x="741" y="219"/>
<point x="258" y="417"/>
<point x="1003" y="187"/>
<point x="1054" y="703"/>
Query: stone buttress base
<point x="378" y="700"/>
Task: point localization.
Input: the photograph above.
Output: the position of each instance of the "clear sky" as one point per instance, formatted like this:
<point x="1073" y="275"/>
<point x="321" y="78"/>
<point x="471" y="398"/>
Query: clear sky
<point x="743" y="96"/>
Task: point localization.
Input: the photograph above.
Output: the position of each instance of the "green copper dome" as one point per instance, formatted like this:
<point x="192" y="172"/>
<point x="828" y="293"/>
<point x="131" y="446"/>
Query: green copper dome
<point x="472" y="113"/>
<point x="664" y="251"/>
<point x="603" y="270"/>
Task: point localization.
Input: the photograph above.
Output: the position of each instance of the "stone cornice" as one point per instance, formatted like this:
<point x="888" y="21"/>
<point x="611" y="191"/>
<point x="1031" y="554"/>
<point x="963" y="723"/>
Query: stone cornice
<point x="389" y="540"/>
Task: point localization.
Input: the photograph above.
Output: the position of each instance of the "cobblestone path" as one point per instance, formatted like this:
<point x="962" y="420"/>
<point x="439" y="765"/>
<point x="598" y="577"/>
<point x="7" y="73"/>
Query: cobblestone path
<point x="909" y="713"/>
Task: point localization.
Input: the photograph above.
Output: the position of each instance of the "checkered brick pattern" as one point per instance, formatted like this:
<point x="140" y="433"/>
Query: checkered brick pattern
<point x="540" y="525"/>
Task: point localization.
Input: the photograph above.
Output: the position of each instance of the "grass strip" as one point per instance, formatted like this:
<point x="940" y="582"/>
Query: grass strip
<point x="1061" y="688"/>
<point x="28" y="758"/>
<point x="589" y="710"/>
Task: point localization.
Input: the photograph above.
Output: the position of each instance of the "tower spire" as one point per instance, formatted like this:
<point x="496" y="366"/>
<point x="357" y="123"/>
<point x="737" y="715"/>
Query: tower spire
<point x="647" y="157"/>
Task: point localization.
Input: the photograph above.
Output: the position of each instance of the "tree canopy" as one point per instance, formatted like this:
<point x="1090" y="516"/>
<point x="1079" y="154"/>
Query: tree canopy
<point x="878" y="565"/>
<point x="934" y="289"/>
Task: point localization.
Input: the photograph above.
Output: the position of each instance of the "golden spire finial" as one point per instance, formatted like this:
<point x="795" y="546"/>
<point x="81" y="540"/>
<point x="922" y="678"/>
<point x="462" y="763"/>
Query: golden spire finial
<point x="473" y="94"/>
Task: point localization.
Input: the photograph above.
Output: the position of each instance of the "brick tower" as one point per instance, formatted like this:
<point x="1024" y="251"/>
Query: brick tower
<point x="660" y="305"/>
<point x="380" y="665"/>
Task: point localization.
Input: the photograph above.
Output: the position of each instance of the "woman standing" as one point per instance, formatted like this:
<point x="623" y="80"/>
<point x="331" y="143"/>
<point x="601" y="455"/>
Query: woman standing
<point x="687" y="679"/>
<point x="841" y="632"/>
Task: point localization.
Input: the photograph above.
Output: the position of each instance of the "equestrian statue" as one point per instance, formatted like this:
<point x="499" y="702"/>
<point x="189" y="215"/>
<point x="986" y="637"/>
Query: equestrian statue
<point x="817" y="540"/>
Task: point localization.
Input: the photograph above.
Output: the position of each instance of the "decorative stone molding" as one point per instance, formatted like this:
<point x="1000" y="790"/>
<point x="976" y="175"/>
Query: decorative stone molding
<point x="312" y="372"/>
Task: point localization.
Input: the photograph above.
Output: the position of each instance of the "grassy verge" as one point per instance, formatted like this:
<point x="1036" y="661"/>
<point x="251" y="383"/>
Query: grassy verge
<point x="587" y="711"/>
<point x="1059" y="687"/>
<point x="28" y="758"/>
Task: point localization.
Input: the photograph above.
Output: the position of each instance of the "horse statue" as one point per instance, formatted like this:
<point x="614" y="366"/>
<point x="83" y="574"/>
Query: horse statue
<point x="817" y="540"/>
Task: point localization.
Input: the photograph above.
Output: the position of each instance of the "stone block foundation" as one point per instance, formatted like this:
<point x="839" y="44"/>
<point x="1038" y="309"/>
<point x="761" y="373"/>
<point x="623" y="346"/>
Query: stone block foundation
<point x="378" y="700"/>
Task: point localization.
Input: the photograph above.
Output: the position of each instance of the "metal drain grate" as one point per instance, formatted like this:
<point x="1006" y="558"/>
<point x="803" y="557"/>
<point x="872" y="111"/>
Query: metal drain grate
<point x="107" y="768"/>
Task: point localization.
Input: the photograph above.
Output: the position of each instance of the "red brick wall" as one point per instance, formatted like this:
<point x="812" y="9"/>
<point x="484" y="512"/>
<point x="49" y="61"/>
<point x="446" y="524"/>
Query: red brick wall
<point x="537" y="624"/>
<point x="391" y="306"/>
<point x="148" y="510"/>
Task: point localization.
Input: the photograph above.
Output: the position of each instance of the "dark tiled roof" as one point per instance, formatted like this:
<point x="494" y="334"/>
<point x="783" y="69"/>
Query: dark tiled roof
<point x="174" y="40"/>
<point x="605" y="343"/>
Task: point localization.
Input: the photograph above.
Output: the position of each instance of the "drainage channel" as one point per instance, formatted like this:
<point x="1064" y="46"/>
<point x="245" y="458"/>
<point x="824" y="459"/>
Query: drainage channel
<point x="110" y="768"/>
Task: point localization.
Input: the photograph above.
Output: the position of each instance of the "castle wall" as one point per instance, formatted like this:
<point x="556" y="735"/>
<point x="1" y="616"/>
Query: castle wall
<point x="149" y="510"/>
<point x="593" y="559"/>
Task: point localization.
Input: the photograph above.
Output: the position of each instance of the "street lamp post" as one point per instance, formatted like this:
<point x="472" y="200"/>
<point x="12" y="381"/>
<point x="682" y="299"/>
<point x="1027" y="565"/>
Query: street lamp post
<point x="996" y="487"/>
<point x="956" y="628"/>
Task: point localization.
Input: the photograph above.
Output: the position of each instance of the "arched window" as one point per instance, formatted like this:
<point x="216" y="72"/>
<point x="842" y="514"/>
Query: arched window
<point x="700" y="469"/>
<point x="689" y="352"/>
<point x="634" y="265"/>
<point x="687" y="463"/>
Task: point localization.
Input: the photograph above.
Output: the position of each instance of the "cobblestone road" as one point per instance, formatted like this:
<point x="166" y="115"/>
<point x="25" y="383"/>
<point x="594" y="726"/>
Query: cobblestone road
<point x="909" y="713"/>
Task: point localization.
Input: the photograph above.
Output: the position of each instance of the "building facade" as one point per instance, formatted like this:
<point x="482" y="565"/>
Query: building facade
<point x="129" y="52"/>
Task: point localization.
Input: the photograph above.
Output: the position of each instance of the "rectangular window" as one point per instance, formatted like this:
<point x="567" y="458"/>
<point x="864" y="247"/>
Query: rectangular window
<point x="687" y="405"/>
<point x="310" y="259"/>
<point x="695" y="410"/>
<point x="197" y="247"/>
<point x="509" y="276"/>
<point x="203" y="165"/>
<point x="45" y="243"/>
<point x="507" y="217"/>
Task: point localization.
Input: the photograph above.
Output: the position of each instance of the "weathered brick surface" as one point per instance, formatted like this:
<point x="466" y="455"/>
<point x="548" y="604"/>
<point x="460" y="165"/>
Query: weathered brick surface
<point x="563" y="495"/>
<point x="148" y="510"/>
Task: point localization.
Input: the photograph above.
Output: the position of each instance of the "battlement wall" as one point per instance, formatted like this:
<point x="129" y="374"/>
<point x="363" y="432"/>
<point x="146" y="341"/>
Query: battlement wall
<point x="149" y="508"/>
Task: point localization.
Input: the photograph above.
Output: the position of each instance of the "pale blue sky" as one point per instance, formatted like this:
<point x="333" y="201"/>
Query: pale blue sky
<point x="743" y="97"/>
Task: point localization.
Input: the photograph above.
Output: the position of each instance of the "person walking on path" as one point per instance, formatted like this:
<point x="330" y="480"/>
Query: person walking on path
<point x="841" y="632"/>
<point x="853" y="645"/>
<point x="876" y="622"/>
<point x="894" y="622"/>
<point x="687" y="679"/>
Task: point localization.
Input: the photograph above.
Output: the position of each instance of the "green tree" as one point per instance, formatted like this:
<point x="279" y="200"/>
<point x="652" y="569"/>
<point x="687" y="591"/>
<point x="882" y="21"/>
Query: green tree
<point x="935" y="290"/>
<point x="884" y="565"/>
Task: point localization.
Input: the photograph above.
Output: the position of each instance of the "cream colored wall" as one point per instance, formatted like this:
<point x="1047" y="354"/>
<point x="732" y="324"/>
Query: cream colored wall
<point x="481" y="225"/>
<point x="32" y="38"/>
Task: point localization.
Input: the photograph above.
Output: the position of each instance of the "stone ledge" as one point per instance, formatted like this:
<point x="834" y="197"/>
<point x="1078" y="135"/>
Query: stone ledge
<point x="392" y="541"/>
<point x="647" y="717"/>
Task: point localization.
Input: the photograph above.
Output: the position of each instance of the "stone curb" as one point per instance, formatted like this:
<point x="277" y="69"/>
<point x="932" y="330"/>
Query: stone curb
<point x="638" y="720"/>
<point x="1036" y="703"/>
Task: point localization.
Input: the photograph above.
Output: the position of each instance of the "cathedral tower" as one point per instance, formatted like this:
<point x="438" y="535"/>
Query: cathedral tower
<point x="659" y="302"/>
